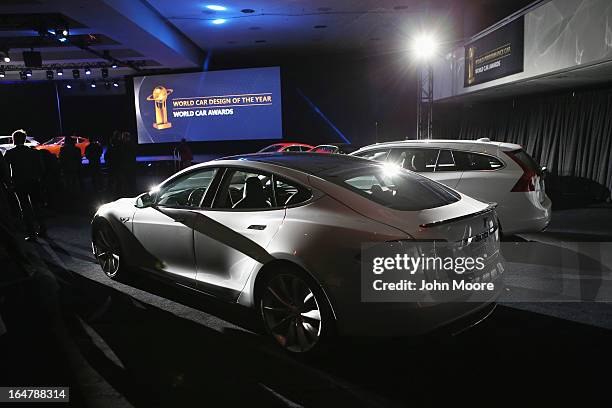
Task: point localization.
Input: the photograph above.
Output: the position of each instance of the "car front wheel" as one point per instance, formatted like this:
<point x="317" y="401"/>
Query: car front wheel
<point x="108" y="251"/>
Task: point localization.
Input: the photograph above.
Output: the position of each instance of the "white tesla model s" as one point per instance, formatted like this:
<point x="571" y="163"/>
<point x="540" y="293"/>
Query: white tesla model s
<point x="282" y="233"/>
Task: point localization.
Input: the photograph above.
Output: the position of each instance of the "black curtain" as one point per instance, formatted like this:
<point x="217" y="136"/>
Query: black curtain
<point x="569" y="133"/>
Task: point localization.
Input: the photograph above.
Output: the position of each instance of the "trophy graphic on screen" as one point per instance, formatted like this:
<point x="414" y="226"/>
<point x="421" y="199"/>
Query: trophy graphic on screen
<point x="471" y="74"/>
<point x="160" y="95"/>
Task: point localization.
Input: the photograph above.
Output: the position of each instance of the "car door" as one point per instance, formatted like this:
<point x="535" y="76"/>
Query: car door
<point x="231" y="237"/>
<point x="483" y="176"/>
<point x="165" y="230"/>
<point x="447" y="171"/>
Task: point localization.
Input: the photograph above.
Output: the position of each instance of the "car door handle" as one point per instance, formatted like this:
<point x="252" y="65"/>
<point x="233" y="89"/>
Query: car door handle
<point x="179" y="219"/>
<point x="257" y="227"/>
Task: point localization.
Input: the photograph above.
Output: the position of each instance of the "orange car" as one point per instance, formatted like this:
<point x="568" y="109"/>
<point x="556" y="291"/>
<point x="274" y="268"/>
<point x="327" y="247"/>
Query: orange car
<point x="54" y="145"/>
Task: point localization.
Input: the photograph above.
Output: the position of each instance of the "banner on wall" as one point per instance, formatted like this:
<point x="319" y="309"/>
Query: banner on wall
<point x="241" y="104"/>
<point x="496" y="55"/>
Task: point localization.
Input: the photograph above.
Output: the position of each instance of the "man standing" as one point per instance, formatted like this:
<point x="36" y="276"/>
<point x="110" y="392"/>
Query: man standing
<point x="70" y="162"/>
<point x="26" y="171"/>
<point x="93" y="152"/>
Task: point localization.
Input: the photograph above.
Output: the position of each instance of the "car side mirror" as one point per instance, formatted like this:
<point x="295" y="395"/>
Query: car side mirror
<point x="145" y="200"/>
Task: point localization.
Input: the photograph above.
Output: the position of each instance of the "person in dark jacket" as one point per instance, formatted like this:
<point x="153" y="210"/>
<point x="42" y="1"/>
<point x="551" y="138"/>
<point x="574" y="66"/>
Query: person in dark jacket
<point x="70" y="162"/>
<point x="93" y="152"/>
<point x="26" y="172"/>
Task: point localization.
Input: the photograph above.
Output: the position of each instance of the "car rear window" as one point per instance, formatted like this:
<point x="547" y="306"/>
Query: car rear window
<point x="469" y="161"/>
<point x="527" y="160"/>
<point x="393" y="187"/>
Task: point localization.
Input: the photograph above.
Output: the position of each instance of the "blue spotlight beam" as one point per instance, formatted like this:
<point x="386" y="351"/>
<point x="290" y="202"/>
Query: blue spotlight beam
<point x="322" y="115"/>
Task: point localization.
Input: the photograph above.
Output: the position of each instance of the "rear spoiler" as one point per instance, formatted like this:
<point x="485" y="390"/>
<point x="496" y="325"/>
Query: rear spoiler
<point x="489" y="208"/>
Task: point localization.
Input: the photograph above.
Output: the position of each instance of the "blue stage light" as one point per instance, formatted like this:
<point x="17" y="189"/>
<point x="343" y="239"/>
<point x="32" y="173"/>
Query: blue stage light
<point x="316" y="109"/>
<point x="219" y="21"/>
<point x="215" y="7"/>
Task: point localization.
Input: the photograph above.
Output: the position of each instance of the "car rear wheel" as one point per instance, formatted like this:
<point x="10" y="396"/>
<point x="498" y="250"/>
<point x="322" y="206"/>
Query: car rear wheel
<point x="108" y="251"/>
<point x="295" y="312"/>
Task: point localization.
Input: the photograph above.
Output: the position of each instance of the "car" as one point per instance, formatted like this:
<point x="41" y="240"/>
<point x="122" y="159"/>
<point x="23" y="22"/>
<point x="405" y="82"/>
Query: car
<point x="6" y="143"/>
<point x="281" y="233"/>
<point x="339" y="148"/>
<point x="286" y="147"/>
<point x="54" y="145"/>
<point x="488" y="171"/>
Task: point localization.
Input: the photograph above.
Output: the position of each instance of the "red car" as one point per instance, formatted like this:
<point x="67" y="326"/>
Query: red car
<point x="54" y="145"/>
<point x="286" y="147"/>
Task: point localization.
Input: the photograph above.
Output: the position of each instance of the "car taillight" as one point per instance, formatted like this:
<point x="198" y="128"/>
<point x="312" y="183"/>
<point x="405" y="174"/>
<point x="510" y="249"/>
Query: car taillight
<point x="528" y="178"/>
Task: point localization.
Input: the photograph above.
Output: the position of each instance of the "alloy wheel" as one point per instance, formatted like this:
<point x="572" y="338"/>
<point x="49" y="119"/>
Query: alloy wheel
<point x="291" y="313"/>
<point x="106" y="250"/>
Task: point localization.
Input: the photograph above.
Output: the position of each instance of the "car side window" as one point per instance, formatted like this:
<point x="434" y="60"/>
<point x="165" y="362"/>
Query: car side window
<point x="187" y="191"/>
<point x="293" y="149"/>
<point x="377" y="155"/>
<point x="446" y="162"/>
<point x="418" y="160"/>
<point x="468" y="161"/>
<point x="289" y="193"/>
<point x="245" y="190"/>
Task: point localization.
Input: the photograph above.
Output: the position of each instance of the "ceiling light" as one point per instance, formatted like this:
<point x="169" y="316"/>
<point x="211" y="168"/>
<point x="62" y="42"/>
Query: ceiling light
<point x="115" y="84"/>
<point x="218" y="21"/>
<point x="68" y="86"/>
<point x="214" y="7"/>
<point x="93" y="84"/>
<point x="49" y="74"/>
<point x="114" y="65"/>
<point x="60" y="72"/>
<point x="28" y="72"/>
<point x="87" y="71"/>
<point x="424" y="46"/>
<point x="5" y="55"/>
<point x="76" y="74"/>
<point x="2" y="73"/>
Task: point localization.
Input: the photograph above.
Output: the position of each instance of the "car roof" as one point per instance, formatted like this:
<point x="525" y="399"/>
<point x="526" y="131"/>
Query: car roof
<point x="480" y="144"/>
<point x="310" y="163"/>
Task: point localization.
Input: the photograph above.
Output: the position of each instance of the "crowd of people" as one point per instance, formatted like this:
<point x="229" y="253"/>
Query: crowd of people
<point x="31" y="179"/>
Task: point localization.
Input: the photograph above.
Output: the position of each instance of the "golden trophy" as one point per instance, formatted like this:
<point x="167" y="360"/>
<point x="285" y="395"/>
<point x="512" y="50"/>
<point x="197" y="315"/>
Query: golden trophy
<point x="471" y="75"/>
<point x="160" y="95"/>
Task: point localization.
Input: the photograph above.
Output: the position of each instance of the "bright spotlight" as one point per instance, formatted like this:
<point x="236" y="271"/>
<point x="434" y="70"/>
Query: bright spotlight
<point x="219" y="21"/>
<point x="425" y="46"/>
<point x="7" y="59"/>
<point x="215" y="7"/>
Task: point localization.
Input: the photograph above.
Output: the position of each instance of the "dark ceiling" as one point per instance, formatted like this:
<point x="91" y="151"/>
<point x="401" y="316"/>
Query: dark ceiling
<point x="181" y="34"/>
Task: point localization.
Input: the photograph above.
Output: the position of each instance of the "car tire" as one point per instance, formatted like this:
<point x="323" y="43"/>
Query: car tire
<point x="295" y="311"/>
<point x="108" y="253"/>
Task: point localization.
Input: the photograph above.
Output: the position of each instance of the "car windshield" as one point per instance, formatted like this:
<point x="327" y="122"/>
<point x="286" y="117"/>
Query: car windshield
<point x="271" y="148"/>
<point x="393" y="187"/>
<point x="6" y="140"/>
